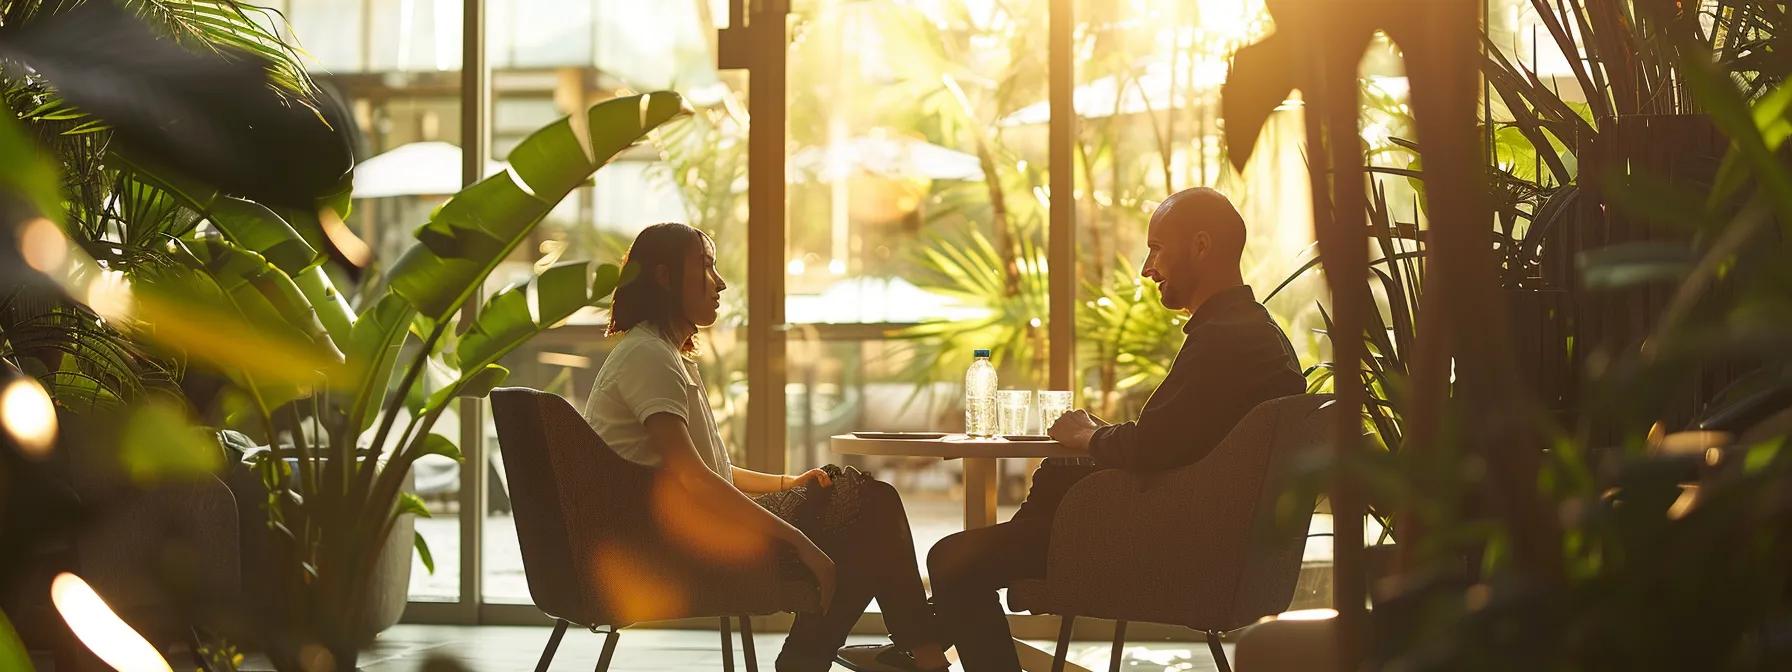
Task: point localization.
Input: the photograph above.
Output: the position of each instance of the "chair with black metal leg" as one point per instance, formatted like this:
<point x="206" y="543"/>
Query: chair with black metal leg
<point x="594" y="552"/>
<point x="1204" y="548"/>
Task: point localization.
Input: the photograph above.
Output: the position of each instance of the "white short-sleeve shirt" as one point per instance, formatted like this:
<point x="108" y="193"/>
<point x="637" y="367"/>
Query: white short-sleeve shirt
<point x="645" y="375"/>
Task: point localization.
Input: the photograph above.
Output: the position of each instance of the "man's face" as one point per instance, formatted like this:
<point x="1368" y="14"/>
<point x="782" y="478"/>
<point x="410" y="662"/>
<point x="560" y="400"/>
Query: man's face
<point x="1173" y="259"/>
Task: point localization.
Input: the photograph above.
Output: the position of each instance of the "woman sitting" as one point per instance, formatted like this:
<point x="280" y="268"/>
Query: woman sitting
<point x="849" y="531"/>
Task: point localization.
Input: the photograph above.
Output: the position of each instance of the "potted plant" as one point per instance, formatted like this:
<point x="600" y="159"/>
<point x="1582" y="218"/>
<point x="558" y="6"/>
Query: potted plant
<point x="314" y="376"/>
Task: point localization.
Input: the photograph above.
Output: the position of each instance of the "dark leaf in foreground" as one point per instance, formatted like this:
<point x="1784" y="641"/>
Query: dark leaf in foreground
<point x="214" y="117"/>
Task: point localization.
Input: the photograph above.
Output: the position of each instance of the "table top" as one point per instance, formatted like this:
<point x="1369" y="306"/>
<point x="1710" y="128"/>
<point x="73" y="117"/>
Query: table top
<point x="950" y="447"/>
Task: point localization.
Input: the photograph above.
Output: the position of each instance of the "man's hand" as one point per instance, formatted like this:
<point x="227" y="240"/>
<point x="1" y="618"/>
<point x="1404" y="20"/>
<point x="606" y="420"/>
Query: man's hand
<point x="812" y="476"/>
<point x="1074" y="429"/>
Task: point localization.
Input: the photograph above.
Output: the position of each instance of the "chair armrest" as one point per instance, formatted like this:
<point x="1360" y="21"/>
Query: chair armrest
<point x="726" y="583"/>
<point x="119" y="552"/>
<point x="642" y="567"/>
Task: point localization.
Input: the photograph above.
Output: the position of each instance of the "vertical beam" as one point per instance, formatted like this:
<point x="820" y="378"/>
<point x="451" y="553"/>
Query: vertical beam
<point x="765" y="237"/>
<point x="366" y="42"/>
<point x="475" y="141"/>
<point x="1061" y="255"/>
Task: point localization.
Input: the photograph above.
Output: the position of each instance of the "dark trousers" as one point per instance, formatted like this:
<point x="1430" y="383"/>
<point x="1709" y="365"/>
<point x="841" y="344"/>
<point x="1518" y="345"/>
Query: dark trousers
<point x="874" y="558"/>
<point x="968" y="568"/>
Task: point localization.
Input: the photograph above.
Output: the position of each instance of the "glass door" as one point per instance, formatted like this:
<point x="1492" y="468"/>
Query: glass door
<point x="917" y="232"/>
<point x="551" y="58"/>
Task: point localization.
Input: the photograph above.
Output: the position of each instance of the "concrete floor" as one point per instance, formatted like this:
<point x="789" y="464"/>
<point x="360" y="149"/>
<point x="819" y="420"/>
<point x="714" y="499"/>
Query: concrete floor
<point x="410" y="648"/>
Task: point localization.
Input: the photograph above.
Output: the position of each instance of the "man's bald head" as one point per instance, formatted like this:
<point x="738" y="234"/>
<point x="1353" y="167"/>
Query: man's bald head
<point x="1199" y="209"/>
<point x="1196" y="241"/>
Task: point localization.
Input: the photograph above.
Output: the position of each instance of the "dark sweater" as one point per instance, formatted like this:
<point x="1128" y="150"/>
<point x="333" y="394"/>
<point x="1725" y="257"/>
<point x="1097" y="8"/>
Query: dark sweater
<point x="1235" y="357"/>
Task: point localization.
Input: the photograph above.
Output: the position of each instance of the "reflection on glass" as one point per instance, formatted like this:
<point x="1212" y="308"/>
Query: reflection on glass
<point x="1052" y="403"/>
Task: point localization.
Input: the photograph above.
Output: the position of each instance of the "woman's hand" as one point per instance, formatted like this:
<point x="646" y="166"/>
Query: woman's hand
<point x="812" y="476"/>
<point x="822" y="567"/>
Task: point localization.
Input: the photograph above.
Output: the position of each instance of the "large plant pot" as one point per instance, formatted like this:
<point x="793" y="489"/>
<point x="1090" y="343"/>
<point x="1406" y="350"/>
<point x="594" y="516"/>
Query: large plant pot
<point x="388" y="588"/>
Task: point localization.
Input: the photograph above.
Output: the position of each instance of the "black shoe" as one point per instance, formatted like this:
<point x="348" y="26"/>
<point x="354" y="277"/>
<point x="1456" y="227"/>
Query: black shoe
<point x="876" y="658"/>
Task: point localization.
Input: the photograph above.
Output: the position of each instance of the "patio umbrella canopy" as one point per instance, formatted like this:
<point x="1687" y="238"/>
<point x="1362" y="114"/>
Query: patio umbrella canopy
<point x="430" y="168"/>
<point x="887" y="155"/>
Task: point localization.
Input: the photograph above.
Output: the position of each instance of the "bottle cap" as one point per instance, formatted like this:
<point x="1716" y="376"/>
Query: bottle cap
<point x="982" y="353"/>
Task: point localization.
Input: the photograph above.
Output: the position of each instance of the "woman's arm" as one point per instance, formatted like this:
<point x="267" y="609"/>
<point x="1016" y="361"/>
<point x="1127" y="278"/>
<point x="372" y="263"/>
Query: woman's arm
<point x="756" y="482"/>
<point x="673" y="439"/>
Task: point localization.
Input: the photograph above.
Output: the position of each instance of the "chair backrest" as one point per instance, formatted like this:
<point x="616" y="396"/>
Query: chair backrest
<point x="568" y="490"/>
<point x="1299" y="426"/>
<point x="1221" y="558"/>
<point x="1248" y="555"/>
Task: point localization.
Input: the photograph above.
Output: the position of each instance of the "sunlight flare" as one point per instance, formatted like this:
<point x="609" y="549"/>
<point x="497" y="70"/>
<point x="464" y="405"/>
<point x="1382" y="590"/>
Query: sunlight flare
<point x="110" y="296"/>
<point x="42" y="245"/>
<point x="29" y="417"/>
<point x="101" y="630"/>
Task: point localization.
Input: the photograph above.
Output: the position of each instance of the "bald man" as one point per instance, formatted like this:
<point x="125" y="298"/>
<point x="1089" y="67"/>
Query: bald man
<point x="1234" y="357"/>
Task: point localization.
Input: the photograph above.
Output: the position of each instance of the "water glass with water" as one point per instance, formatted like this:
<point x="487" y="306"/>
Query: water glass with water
<point x="1011" y="410"/>
<point x="1052" y="403"/>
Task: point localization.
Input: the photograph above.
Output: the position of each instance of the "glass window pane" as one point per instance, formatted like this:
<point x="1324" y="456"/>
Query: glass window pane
<point x="407" y="127"/>
<point x="694" y="172"/>
<point x="915" y="197"/>
<point x="420" y="35"/>
<point x="331" y="31"/>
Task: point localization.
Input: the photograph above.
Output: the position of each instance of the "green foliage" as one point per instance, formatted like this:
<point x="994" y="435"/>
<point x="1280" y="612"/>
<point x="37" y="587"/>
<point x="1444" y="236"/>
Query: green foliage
<point x="28" y="172"/>
<point x="1131" y="336"/>
<point x="12" y="651"/>
<point x="159" y="444"/>
<point x="1390" y="331"/>
<point x="310" y="377"/>
<point x="1640" y="553"/>
<point x="969" y="268"/>
<point x="117" y="214"/>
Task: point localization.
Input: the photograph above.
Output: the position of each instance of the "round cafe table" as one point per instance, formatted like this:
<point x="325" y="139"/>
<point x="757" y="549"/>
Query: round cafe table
<point x="979" y="455"/>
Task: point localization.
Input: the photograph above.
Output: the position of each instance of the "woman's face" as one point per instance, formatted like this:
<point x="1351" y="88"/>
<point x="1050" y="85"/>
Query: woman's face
<point x="702" y="286"/>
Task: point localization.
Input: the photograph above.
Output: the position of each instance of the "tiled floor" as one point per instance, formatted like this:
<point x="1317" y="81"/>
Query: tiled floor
<point x="410" y="648"/>
<point x="931" y="519"/>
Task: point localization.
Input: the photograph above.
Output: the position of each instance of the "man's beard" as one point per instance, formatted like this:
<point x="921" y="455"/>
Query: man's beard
<point x="1168" y="295"/>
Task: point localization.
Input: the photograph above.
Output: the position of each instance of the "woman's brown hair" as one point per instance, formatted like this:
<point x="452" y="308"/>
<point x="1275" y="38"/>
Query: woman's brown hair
<point x="638" y="298"/>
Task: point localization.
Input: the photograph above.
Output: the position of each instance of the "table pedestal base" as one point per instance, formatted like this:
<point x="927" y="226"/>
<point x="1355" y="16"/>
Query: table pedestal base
<point x="980" y="485"/>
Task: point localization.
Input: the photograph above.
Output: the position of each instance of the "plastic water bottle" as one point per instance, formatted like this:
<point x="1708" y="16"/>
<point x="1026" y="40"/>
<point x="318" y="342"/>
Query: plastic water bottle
<point x="980" y="397"/>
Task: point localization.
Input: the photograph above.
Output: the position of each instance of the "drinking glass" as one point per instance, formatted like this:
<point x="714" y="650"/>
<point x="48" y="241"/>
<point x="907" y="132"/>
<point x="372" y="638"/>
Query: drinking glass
<point x="1052" y="403"/>
<point x="1011" y="410"/>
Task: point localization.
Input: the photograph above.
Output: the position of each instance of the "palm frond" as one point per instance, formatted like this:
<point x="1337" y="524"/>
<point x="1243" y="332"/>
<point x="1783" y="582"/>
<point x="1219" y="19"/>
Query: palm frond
<point x="83" y="362"/>
<point x="225" y="25"/>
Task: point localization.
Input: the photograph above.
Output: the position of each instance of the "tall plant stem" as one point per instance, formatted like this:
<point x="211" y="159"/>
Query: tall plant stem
<point x="1339" y="223"/>
<point x="364" y="473"/>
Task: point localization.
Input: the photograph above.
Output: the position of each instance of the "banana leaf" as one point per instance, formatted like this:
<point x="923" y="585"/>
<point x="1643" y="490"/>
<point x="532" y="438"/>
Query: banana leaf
<point x="251" y="225"/>
<point x="475" y="230"/>
<point x="239" y="332"/>
<point x="373" y="345"/>
<point x="508" y="319"/>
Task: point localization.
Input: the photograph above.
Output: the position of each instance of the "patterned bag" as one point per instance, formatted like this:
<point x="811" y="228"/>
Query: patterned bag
<point x="816" y="510"/>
